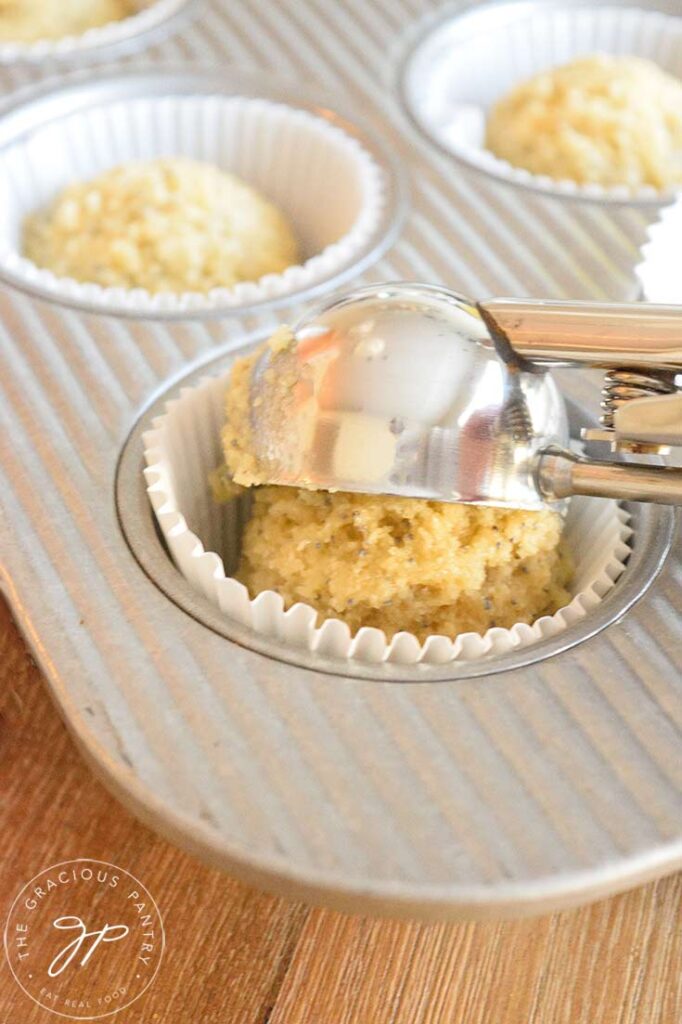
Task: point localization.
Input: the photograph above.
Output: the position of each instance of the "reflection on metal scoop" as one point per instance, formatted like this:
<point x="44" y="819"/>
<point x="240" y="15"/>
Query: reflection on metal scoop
<point x="412" y="390"/>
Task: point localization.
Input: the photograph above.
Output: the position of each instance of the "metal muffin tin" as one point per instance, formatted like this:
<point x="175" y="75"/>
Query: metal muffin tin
<point x="526" y="788"/>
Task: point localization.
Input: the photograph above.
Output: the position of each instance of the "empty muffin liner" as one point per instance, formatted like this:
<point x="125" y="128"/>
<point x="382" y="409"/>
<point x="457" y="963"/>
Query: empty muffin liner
<point x="660" y="270"/>
<point x="203" y="538"/>
<point x="151" y="19"/>
<point x="325" y="182"/>
<point x="468" y="61"/>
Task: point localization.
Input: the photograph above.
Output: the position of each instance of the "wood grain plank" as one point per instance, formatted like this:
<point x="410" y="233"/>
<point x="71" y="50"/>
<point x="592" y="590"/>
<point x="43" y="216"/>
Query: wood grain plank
<point x="227" y="945"/>
<point x="615" y="962"/>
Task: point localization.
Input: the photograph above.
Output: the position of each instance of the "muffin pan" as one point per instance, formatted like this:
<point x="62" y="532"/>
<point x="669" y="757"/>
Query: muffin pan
<point x="464" y="61"/>
<point x="545" y="779"/>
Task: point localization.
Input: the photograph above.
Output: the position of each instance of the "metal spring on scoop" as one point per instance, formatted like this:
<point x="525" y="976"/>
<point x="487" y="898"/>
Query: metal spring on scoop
<point x="515" y="419"/>
<point x="622" y="386"/>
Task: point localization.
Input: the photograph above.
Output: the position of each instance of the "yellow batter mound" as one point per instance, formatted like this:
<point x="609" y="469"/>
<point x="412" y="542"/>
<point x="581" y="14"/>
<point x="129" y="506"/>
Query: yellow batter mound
<point x="394" y="563"/>
<point x="403" y="563"/>
<point x="171" y="225"/>
<point x="26" y="21"/>
<point x="602" y="120"/>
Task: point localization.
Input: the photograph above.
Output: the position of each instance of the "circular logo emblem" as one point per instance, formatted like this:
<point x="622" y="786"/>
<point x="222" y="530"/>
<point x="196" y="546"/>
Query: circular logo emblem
<point x="84" y="939"/>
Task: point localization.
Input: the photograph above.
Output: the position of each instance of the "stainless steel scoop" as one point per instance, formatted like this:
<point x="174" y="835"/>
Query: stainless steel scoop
<point x="413" y="390"/>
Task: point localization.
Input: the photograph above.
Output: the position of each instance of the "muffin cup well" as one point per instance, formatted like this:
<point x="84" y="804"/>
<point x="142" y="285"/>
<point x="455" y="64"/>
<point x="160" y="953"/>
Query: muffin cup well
<point x="152" y="20"/>
<point x="463" y="64"/>
<point x="322" y="178"/>
<point x="203" y="539"/>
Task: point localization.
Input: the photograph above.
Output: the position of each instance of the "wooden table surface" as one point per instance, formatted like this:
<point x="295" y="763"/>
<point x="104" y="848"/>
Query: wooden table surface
<point x="238" y="956"/>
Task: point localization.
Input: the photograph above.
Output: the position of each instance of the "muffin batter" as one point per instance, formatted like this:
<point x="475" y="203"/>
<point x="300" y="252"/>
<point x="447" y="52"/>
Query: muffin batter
<point x="404" y="563"/>
<point x="26" y="21"/>
<point x="171" y="225"/>
<point x="394" y="563"/>
<point x="601" y="120"/>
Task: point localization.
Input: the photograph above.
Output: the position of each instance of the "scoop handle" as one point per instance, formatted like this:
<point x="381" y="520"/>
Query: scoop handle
<point x="561" y="474"/>
<point x="602" y="334"/>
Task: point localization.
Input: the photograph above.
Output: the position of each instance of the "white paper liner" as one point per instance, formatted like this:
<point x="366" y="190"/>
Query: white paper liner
<point x="150" y="16"/>
<point x="184" y="447"/>
<point x="466" y="63"/>
<point x="323" y="180"/>
<point x="660" y="271"/>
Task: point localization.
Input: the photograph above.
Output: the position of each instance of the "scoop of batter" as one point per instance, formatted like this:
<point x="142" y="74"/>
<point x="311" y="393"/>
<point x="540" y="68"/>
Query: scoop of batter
<point x="394" y="563"/>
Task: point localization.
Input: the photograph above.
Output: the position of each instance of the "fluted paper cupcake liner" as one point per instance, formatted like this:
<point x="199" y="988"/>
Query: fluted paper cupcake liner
<point x="203" y="539"/>
<point x="660" y="270"/>
<point x="325" y="182"/>
<point x="468" y="61"/>
<point x="151" y="19"/>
